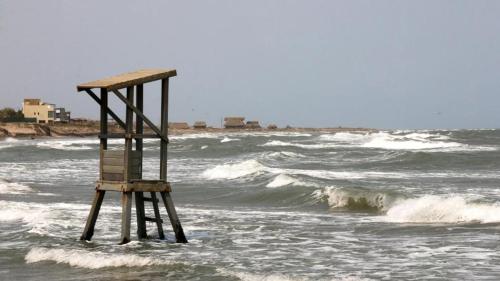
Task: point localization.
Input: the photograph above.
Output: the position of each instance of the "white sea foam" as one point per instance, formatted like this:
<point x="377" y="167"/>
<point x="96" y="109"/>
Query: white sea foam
<point x="14" y="188"/>
<point x="392" y="143"/>
<point x="74" y="144"/>
<point x="346" y="137"/>
<point x="285" y="154"/>
<point x="8" y="142"/>
<point x="226" y="139"/>
<point x="284" y="180"/>
<point x="253" y="168"/>
<point x="399" y="140"/>
<point x="440" y="209"/>
<point x="91" y="260"/>
<point x="259" y="277"/>
<point x="245" y="276"/>
<point x="46" y="219"/>
<point x="234" y="170"/>
<point x="300" y="145"/>
<point x="28" y="214"/>
<point x="67" y="144"/>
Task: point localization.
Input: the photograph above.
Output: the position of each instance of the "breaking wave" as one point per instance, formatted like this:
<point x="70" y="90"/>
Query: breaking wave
<point x="252" y="168"/>
<point x="91" y="260"/>
<point x="46" y="219"/>
<point x="397" y="143"/>
<point x="300" y="145"/>
<point x="357" y="199"/>
<point x="285" y="180"/>
<point x="14" y="188"/>
<point x="384" y="140"/>
<point x="397" y="208"/>
<point x="226" y="139"/>
<point x="233" y="171"/>
<point x="440" y="209"/>
<point x="8" y="142"/>
<point x="284" y="155"/>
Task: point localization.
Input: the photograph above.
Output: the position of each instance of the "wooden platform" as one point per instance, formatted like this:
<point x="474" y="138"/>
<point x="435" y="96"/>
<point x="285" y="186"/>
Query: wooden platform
<point x="128" y="79"/>
<point x="135" y="186"/>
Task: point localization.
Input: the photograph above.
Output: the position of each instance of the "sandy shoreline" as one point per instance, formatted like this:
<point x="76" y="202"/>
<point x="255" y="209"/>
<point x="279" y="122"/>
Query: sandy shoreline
<point x="33" y="130"/>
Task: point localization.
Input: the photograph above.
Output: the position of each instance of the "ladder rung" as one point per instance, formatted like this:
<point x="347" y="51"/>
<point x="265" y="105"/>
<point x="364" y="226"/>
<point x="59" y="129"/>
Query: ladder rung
<point x="153" y="219"/>
<point x="150" y="199"/>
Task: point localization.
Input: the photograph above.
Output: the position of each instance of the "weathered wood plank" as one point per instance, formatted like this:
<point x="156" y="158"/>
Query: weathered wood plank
<point x="128" y="79"/>
<point x="164" y="129"/>
<point x="112" y="177"/>
<point x="134" y="186"/>
<point x="108" y="169"/>
<point x="139" y="123"/>
<point x="111" y="161"/>
<point x="121" y="154"/>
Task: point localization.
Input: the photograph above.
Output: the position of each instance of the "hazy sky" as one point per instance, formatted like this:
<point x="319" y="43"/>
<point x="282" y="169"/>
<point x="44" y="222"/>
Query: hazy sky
<point x="383" y="64"/>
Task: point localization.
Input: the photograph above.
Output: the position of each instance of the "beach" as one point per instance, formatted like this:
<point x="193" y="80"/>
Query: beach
<point x="21" y="129"/>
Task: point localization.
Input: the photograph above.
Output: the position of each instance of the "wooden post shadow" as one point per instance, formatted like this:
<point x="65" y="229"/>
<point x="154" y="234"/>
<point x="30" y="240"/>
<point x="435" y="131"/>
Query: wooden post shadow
<point x="121" y="170"/>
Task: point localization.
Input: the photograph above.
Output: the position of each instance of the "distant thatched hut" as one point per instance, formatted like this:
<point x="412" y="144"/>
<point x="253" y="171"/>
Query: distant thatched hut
<point x="178" y="125"/>
<point x="200" y="125"/>
<point x="253" y="125"/>
<point x="234" y="122"/>
<point x="272" y="127"/>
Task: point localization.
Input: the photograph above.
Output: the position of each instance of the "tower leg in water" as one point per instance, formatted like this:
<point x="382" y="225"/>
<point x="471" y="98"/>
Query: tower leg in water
<point x="126" y="216"/>
<point x="174" y="220"/>
<point x="88" y="232"/>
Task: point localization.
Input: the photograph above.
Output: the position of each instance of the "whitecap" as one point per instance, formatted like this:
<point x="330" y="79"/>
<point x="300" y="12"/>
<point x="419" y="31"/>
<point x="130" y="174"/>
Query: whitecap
<point x="345" y="137"/>
<point x="441" y="209"/>
<point x="91" y="260"/>
<point x="234" y="170"/>
<point x="285" y="154"/>
<point x="259" y="277"/>
<point x="246" y="276"/>
<point x="226" y="139"/>
<point x="284" y="180"/>
<point x="301" y="145"/>
<point x="14" y="188"/>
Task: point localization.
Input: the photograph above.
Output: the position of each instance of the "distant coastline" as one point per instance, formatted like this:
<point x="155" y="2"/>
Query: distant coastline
<point x="34" y="130"/>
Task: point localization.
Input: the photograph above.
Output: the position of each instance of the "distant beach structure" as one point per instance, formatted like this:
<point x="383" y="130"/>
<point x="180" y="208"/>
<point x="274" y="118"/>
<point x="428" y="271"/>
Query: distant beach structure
<point x="253" y="125"/>
<point x="45" y="112"/>
<point x="178" y="125"/>
<point x="234" y="122"/>
<point x="200" y="125"/>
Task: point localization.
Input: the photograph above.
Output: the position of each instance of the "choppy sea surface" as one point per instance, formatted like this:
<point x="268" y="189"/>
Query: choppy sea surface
<point x="392" y="205"/>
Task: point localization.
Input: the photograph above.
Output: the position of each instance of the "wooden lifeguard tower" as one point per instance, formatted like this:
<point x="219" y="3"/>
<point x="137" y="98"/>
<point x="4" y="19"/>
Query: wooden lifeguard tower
<point x="121" y="170"/>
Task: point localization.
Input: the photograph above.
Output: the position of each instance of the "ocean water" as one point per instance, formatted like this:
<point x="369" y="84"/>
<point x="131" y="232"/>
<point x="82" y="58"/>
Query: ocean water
<point x="392" y="205"/>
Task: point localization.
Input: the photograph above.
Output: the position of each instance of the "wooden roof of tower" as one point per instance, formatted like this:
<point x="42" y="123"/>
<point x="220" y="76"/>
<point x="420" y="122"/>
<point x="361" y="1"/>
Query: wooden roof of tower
<point x="128" y="79"/>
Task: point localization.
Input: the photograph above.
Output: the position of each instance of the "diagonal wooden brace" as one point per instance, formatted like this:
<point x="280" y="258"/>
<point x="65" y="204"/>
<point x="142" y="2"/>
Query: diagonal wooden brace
<point x="140" y="114"/>
<point x="110" y="112"/>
